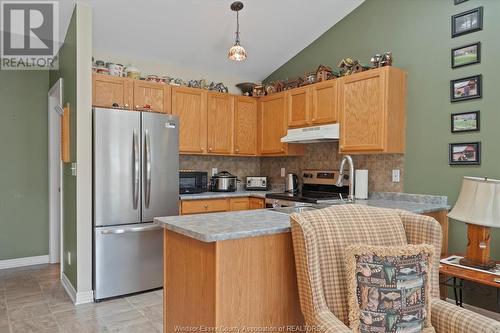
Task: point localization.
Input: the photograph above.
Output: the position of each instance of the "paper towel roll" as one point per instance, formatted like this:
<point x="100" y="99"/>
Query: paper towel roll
<point x="361" y="184"/>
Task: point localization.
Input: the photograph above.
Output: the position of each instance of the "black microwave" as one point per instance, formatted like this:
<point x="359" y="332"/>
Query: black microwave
<point x="193" y="182"/>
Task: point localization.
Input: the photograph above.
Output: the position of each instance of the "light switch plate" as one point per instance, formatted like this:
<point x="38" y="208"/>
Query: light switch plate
<point x="395" y="176"/>
<point x="283" y="171"/>
<point x="73" y="169"/>
<point x="214" y="171"/>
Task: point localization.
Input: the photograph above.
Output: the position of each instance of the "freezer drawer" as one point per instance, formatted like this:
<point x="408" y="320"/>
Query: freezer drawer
<point x="127" y="259"/>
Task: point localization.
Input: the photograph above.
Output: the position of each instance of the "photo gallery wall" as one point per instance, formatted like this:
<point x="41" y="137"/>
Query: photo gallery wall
<point x="465" y="88"/>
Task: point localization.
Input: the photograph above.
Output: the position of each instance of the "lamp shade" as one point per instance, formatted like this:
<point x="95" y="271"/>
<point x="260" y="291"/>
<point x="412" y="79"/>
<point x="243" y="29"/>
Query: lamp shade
<point x="478" y="202"/>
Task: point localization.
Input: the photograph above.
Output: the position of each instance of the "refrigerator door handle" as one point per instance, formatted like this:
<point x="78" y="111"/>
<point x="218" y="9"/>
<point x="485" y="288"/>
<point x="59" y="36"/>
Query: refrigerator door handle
<point x="130" y="230"/>
<point x="135" y="171"/>
<point x="147" y="157"/>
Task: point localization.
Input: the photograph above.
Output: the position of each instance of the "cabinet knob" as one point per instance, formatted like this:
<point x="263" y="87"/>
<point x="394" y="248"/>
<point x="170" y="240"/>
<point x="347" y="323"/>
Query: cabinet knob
<point x="210" y="149"/>
<point x="282" y="150"/>
<point x="126" y="106"/>
<point x="202" y="149"/>
<point x="206" y="206"/>
<point x="137" y="107"/>
<point x="237" y="150"/>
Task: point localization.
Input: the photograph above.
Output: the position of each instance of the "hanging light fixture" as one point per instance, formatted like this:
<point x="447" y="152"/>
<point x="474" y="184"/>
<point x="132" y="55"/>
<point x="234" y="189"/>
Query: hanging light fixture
<point x="237" y="52"/>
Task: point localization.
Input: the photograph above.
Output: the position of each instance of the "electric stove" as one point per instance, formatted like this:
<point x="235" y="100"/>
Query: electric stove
<point x="318" y="187"/>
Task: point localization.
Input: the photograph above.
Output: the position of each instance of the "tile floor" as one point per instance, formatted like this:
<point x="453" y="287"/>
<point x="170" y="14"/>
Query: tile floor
<point x="32" y="299"/>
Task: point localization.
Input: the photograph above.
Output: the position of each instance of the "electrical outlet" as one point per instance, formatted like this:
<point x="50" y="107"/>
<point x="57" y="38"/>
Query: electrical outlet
<point x="283" y="171"/>
<point x="395" y="176"/>
<point x="214" y="171"/>
<point x="69" y="258"/>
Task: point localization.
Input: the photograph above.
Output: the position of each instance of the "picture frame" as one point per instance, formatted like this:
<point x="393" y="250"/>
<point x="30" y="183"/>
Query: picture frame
<point x="467" y="153"/>
<point x="457" y="2"/>
<point x="465" y="122"/>
<point x="466" y="88"/>
<point x="466" y="55"/>
<point x="467" y="22"/>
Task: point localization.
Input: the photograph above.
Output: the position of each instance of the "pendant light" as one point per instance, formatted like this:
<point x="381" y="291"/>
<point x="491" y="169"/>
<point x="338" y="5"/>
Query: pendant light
<point x="237" y="52"/>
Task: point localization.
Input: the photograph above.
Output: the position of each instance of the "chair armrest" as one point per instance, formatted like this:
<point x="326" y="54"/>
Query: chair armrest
<point x="449" y="318"/>
<point x="421" y="229"/>
<point x="327" y="322"/>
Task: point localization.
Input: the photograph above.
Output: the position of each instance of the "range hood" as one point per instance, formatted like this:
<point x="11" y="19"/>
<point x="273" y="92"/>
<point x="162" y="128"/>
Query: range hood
<point x="314" y="134"/>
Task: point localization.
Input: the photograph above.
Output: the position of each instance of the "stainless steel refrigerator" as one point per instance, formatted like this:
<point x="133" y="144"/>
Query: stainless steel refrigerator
<point x="136" y="178"/>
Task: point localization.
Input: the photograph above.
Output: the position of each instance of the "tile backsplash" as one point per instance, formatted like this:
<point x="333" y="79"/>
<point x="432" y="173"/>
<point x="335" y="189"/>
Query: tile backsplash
<point x="317" y="156"/>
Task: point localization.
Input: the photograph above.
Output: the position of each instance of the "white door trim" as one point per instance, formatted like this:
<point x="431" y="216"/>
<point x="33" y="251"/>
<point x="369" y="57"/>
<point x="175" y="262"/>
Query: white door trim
<point x="55" y="97"/>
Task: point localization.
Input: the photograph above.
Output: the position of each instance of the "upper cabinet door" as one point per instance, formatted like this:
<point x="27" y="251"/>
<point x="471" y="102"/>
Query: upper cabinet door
<point x="362" y="111"/>
<point x="156" y="95"/>
<point x="191" y="107"/>
<point x="298" y="105"/>
<point x="220" y="123"/>
<point x="245" y="126"/>
<point x="273" y="124"/>
<point x="324" y="102"/>
<point x="108" y="90"/>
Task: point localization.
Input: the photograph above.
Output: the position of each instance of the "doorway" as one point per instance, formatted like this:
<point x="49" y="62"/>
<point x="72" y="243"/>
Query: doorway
<point x="55" y="97"/>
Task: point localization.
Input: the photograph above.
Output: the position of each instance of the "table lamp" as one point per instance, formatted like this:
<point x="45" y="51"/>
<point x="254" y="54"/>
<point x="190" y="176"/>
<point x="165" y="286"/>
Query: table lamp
<point x="478" y="205"/>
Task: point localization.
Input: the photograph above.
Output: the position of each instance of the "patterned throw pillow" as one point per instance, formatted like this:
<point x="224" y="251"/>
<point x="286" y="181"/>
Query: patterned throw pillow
<point x="389" y="288"/>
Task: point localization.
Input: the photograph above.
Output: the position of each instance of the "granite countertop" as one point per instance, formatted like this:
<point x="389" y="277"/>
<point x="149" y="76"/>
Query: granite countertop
<point x="222" y="195"/>
<point x="242" y="224"/>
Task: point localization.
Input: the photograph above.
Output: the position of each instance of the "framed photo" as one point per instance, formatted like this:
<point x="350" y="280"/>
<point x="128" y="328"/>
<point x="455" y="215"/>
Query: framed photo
<point x="466" y="55"/>
<point x="468" y="153"/>
<point x="457" y="2"/>
<point x="466" y="88"/>
<point x="465" y="122"/>
<point x="467" y="22"/>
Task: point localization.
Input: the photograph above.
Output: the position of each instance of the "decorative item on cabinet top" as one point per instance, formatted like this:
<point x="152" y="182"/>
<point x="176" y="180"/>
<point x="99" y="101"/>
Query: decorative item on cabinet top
<point x="131" y="72"/>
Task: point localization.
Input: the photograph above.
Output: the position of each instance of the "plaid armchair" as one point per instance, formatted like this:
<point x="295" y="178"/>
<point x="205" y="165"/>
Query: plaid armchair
<point x="319" y="240"/>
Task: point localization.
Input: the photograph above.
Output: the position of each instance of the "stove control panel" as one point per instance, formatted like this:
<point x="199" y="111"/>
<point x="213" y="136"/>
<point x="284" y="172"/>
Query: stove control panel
<point x="321" y="177"/>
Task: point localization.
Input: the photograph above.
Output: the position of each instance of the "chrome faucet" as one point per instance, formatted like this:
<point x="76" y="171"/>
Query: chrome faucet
<point x="340" y="179"/>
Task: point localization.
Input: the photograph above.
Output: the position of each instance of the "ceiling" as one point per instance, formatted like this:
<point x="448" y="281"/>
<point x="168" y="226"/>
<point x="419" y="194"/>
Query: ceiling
<point x="198" y="33"/>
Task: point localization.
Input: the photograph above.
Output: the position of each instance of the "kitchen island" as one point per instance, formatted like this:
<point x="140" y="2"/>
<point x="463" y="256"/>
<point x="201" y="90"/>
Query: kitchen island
<point x="235" y="270"/>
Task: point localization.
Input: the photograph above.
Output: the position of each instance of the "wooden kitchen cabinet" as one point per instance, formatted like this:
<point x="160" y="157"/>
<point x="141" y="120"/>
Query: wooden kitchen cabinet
<point x="272" y="127"/>
<point x="220" y="123"/>
<point x="204" y="206"/>
<point x="272" y="122"/>
<point x="220" y="205"/>
<point x="312" y="105"/>
<point x="239" y="204"/>
<point x="190" y="105"/>
<point x="108" y="90"/>
<point x="372" y="111"/>
<point x="245" y="125"/>
<point x="324" y="103"/>
<point x="156" y="95"/>
<point x="298" y="106"/>
<point x="257" y="203"/>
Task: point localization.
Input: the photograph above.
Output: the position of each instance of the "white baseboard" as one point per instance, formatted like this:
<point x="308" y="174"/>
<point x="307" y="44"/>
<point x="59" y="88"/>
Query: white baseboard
<point x="77" y="298"/>
<point x="83" y="297"/>
<point x="68" y="287"/>
<point x="26" y="261"/>
<point x="484" y="312"/>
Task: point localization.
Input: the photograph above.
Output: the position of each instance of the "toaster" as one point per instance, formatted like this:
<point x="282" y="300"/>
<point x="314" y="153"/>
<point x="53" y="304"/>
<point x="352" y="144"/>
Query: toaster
<point x="256" y="183"/>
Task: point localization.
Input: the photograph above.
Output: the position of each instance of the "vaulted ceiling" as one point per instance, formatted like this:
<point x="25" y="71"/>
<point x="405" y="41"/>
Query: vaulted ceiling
<point x="198" y="33"/>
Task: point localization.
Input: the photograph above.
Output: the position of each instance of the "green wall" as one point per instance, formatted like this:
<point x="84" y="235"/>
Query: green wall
<point x="24" y="216"/>
<point x="67" y="70"/>
<point x="418" y="33"/>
